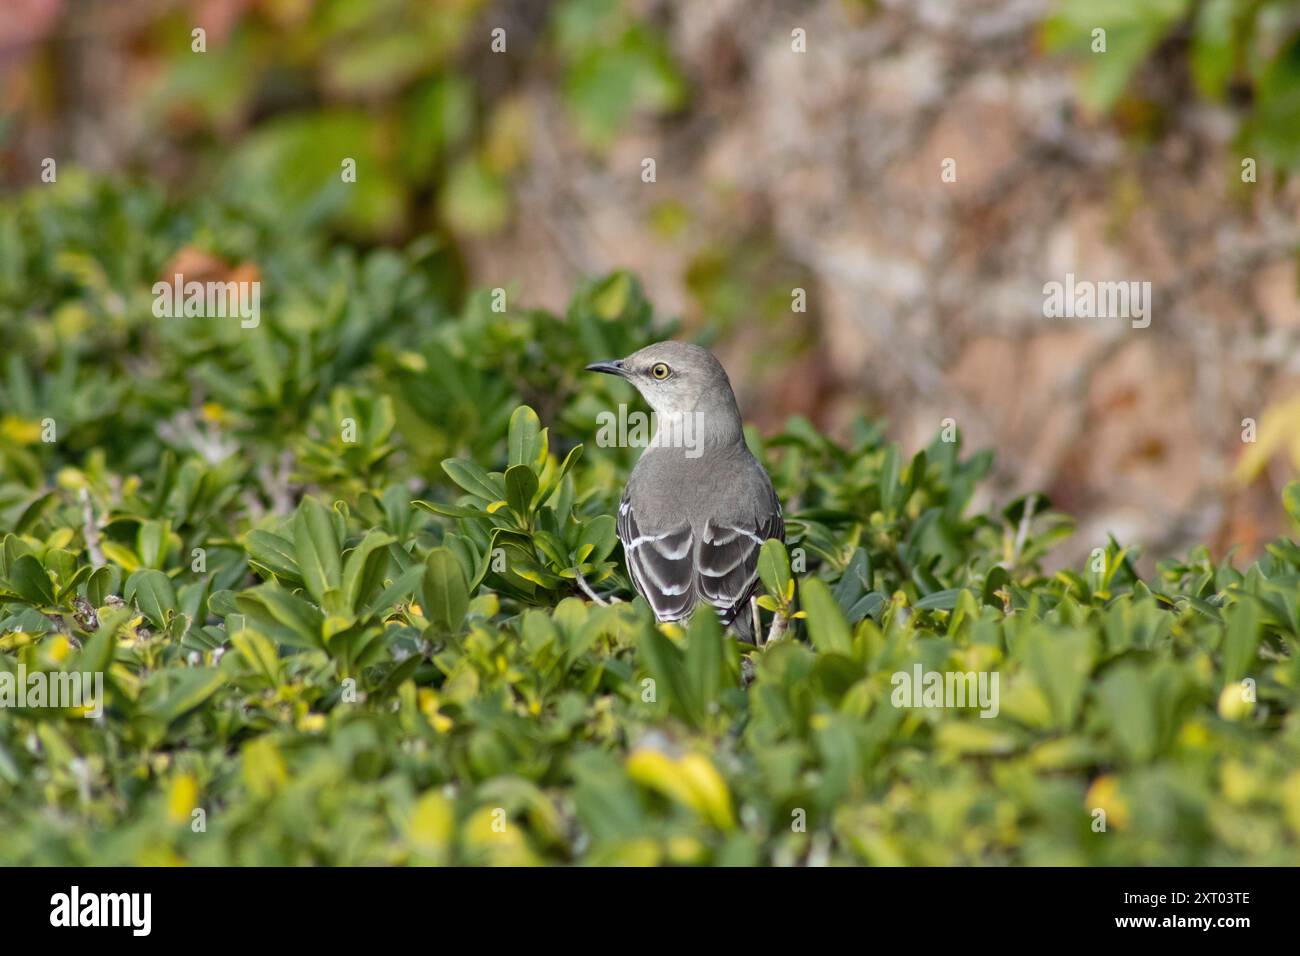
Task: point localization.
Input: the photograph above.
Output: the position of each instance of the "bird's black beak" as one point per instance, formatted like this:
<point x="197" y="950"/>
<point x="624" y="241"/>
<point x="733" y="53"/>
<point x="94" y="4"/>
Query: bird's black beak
<point x="609" y="368"/>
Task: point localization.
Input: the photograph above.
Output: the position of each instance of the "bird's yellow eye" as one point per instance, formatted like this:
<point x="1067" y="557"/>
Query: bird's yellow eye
<point x="659" y="370"/>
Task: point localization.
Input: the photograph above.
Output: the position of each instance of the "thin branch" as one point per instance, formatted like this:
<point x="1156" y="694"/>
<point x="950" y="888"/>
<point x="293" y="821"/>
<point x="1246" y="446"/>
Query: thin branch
<point x="276" y="485"/>
<point x="777" y="632"/>
<point x="91" y="531"/>
<point x="1022" y="532"/>
<point x="586" y="588"/>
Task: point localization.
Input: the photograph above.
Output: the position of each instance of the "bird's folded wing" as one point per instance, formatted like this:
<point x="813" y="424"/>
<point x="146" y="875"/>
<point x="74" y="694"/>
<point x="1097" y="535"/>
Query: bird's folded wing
<point x="661" y="564"/>
<point x="728" y="561"/>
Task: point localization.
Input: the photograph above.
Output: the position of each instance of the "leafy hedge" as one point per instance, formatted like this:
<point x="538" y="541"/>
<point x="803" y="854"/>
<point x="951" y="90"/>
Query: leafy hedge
<point x="1246" y="55"/>
<point x="375" y="650"/>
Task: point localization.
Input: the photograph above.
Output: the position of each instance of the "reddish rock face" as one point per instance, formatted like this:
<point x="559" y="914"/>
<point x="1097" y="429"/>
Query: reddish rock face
<point x="921" y="170"/>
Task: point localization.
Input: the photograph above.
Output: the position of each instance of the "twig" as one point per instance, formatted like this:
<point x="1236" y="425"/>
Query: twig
<point x="276" y="485"/>
<point x="777" y="632"/>
<point x="582" y="583"/>
<point x="184" y="429"/>
<point x="1022" y="532"/>
<point x="91" y="531"/>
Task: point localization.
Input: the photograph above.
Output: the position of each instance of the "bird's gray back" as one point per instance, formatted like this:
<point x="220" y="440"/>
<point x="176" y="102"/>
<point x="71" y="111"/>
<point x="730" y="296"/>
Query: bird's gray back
<point x="692" y="526"/>
<point x="668" y="487"/>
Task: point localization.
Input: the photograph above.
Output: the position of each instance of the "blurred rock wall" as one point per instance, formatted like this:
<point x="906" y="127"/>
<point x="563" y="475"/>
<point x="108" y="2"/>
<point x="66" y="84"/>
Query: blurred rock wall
<point x="926" y="297"/>
<point x="822" y="170"/>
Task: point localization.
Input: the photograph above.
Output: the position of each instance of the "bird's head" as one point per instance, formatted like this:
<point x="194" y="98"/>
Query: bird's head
<point x="675" y="378"/>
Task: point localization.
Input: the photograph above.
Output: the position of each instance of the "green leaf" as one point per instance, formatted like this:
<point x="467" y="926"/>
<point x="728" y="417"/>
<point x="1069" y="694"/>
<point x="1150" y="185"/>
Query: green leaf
<point x="552" y="482"/>
<point x="705" y="662"/>
<point x="444" y="594"/>
<point x="1127" y="706"/>
<point x="398" y="676"/>
<point x="521" y="485"/>
<point x="275" y="553"/>
<point x="179" y="690"/>
<point x="152" y="543"/>
<point x="474" y="479"/>
<point x="1133" y="28"/>
<point x="610" y="296"/>
<point x="401" y="588"/>
<point x="915" y="476"/>
<point x="153" y="593"/>
<point x="364" y="566"/>
<point x="283" y="615"/>
<point x="34" y="512"/>
<point x="101" y="584"/>
<point x="316" y="547"/>
<point x="865" y="606"/>
<point x="1272" y="128"/>
<point x="994" y="581"/>
<point x="475" y="200"/>
<point x="1213" y="53"/>
<point x="454" y="511"/>
<point x="597" y="539"/>
<point x="259" y="653"/>
<point x="69" y="578"/>
<point x="1061" y="665"/>
<point x="944" y="600"/>
<point x="526" y="439"/>
<point x="1241" y="640"/>
<point x="666" y="667"/>
<point x="890" y="489"/>
<point x="774" y="569"/>
<point x="853" y="583"/>
<point x="121" y="555"/>
<point x="1291" y="500"/>
<point x="31" y="582"/>
<point x="827" y="628"/>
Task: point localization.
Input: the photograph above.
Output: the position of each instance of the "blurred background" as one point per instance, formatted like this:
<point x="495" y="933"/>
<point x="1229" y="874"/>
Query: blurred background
<point x="796" y="146"/>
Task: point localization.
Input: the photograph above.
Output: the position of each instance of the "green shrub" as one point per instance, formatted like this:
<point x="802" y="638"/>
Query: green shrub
<point x="370" y="646"/>
<point x="1231" y="52"/>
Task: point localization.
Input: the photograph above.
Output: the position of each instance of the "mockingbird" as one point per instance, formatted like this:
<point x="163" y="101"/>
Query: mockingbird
<point x="698" y="505"/>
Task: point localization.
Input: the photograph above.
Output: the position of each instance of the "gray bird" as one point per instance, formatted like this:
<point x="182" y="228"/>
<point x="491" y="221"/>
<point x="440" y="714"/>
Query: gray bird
<point x="698" y="505"/>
